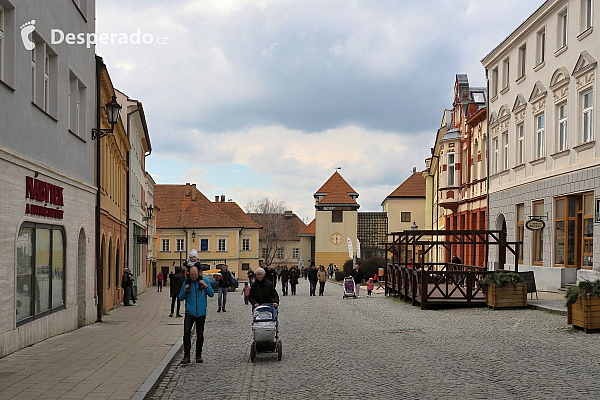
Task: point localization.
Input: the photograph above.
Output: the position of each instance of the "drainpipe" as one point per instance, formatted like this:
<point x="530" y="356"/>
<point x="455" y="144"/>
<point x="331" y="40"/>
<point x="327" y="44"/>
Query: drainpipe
<point x="487" y="161"/>
<point x="99" y="271"/>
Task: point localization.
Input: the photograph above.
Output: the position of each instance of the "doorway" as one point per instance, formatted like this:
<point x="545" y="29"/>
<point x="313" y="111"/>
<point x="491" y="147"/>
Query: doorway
<point x="81" y="279"/>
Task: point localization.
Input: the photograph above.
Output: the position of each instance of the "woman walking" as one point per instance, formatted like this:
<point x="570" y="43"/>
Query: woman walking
<point x="294" y="275"/>
<point x="322" y="277"/>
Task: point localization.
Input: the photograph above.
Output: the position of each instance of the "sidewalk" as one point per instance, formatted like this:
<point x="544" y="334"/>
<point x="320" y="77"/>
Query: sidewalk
<point x="108" y="360"/>
<point x="548" y="301"/>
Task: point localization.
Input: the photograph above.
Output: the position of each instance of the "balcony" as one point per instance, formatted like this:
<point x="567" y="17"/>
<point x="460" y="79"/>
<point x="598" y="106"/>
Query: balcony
<point x="449" y="198"/>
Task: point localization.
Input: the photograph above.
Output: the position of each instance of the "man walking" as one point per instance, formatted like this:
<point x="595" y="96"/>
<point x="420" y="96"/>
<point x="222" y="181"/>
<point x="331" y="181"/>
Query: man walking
<point x="224" y="285"/>
<point x="285" y="277"/>
<point x="312" y="279"/>
<point x="177" y="279"/>
<point x="194" y="292"/>
<point x="126" y="287"/>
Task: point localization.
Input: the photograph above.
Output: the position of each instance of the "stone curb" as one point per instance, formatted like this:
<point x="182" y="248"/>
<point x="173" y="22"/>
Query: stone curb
<point x="148" y="388"/>
<point x="553" y="310"/>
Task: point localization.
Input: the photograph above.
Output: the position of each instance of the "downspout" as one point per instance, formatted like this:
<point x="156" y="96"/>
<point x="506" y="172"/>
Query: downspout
<point x="99" y="272"/>
<point x="487" y="159"/>
<point x="128" y="202"/>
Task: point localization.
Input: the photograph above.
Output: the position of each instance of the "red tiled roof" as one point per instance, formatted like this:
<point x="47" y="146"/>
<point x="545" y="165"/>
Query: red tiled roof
<point x="237" y="214"/>
<point x="337" y="196"/>
<point x="176" y="209"/>
<point x="336" y="180"/>
<point x="290" y="225"/>
<point x="309" y="230"/>
<point x="414" y="186"/>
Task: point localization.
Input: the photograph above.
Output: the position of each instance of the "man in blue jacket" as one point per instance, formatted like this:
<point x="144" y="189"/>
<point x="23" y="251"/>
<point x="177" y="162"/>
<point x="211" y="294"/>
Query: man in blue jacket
<point x="194" y="292"/>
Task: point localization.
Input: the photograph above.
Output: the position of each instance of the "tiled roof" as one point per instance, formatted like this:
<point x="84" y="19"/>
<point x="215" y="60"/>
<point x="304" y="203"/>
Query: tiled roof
<point x="237" y="214"/>
<point x="290" y="225"/>
<point x="336" y="180"/>
<point x="309" y="230"/>
<point x="176" y="209"/>
<point x="337" y="196"/>
<point x="414" y="186"/>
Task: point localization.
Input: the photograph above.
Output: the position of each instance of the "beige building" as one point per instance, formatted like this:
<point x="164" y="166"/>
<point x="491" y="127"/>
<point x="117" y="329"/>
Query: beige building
<point x="220" y="231"/>
<point x="284" y="247"/>
<point x="405" y="206"/>
<point x="544" y="162"/>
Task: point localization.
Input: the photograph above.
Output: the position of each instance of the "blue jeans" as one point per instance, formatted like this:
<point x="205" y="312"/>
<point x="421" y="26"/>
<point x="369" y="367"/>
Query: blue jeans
<point x="284" y="287"/>
<point x="313" y="287"/>
<point x="222" y="295"/>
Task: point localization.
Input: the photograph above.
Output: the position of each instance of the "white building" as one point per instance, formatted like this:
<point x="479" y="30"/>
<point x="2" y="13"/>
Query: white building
<point x="48" y="193"/>
<point x="150" y="258"/>
<point x="137" y="132"/>
<point x="544" y="161"/>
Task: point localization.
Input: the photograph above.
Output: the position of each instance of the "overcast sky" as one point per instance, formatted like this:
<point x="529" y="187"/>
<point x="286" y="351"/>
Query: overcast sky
<point x="254" y="98"/>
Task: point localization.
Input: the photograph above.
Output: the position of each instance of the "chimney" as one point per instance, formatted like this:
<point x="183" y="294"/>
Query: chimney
<point x="216" y="199"/>
<point x="222" y="198"/>
<point x="187" y="188"/>
<point x="290" y="213"/>
<point x="194" y="192"/>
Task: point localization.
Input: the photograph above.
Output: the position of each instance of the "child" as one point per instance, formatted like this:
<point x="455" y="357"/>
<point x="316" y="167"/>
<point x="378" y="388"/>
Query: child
<point x="370" y="286"/>
<point x="246" y="292"/>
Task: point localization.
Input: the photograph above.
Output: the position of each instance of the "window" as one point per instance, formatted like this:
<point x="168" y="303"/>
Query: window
<point x="505" y="151"/>
<point x="586" y="14"/>
<point x="562" y="127"/>
<point x="33" y="67"/>
<point x="451" y="169"/>
<point x="562" y="29"/>
<point x="1" y="42"/>
<point x="179" y="244"/>
<point x="40" y="271"/>
<point x="264" y="253"/>
<point x="46" y="82"/>
<point x="296" y="253"/>
<point x="166" y="246"/>
<point x="337" y="216"/>
<point x="222" y="245"/>
<point x="538" y="236"/>
<point x="539" y="136"/>
<point x="520" y="144"/>
<point x="245" y="266"/>
<point x="203" y="244"/>
<point x="494" y="83"/>
<point x="76" y="105"/>
<point x="495" y="156"/>
<point x="522" y="58"/>
<point x="405" y="216"/>
<point x="245" y="244"/>
<point x="588" y="230"/>
<point x="520" y="229"/>
<point x="574" y="229"/>
<point x="506" y="73"/>
<point x="588" y="116"/>
<point x="541" y="46"/>
<point x="279" y="253"/>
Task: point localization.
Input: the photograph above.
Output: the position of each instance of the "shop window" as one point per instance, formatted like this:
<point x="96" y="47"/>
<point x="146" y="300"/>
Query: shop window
<point x="40" y="271"/>
<point x="574" y="230"/>
<point x="520" y="229"/>
<point x="538" y="236"/>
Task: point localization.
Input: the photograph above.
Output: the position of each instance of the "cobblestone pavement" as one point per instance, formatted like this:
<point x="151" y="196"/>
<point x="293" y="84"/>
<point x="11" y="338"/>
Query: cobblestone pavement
<point x="381" y="348"/>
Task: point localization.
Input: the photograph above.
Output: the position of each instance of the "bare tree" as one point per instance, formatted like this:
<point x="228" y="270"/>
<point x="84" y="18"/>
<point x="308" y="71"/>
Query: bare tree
<point x="270" y="214"/>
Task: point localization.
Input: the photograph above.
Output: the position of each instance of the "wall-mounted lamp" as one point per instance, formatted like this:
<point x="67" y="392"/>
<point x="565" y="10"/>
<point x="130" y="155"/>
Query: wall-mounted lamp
<point x="193" y="236"/>
<point x="149" y="211"/>
<point x="112" y="113"/>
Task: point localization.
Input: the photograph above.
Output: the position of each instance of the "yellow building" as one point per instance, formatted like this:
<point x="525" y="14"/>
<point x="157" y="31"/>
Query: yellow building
<point x="220" y="231"/>
<point x="405" y="206"/>
<point x="113" y="202"/>
<point x="335" y="221"/>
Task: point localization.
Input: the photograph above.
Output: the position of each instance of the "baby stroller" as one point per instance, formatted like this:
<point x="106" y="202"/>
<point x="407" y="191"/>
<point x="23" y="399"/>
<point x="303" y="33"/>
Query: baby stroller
<point x="349" y="289"/>
<point x="265" y="330"/>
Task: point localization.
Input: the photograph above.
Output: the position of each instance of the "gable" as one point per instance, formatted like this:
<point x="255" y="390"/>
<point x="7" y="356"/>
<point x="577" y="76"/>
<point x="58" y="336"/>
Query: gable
<point x="519" y="103"/>
<point x="504" y="112"/>
<point x="560" y="77"/>
<point x="584" y="63"/>
<point x="538" y="92"/>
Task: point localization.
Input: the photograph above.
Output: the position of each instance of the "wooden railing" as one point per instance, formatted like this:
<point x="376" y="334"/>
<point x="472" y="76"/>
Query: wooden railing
<point x="447" y="284"/>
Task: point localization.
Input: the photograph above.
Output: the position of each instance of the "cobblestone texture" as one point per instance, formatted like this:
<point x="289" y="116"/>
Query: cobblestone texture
<point x="381" y="348"/>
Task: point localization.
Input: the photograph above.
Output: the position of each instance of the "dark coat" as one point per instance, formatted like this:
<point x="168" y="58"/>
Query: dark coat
<point x="262" y="292"/>
<point x="285" y="275"/>
<point x="226" y="281"/>
<point x="270" y="274"/>
<point x="357" y="275"/>
<point x="294" y="275"/>
<point x="312" y="274"/>
<point x="176" y="280"/>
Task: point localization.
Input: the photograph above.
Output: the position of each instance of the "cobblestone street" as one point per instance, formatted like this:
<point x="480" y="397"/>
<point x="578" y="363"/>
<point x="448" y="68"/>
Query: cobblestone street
<point x="380" y="348"/>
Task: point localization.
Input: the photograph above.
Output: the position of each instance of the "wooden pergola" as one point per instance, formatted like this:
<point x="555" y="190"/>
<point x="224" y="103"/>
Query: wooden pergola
<point x="416" y="274"/>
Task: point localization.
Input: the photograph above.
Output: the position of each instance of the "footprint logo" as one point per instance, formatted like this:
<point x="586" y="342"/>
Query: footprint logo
<point x="26" y="30"/>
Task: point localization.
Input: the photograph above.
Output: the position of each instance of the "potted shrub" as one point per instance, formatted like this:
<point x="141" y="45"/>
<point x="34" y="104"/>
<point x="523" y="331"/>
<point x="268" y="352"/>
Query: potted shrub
<point x="583" y="305"/>
<point x="504" y="290"/>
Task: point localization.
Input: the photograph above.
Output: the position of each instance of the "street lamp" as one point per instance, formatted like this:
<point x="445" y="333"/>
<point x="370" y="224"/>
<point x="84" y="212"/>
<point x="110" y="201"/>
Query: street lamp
<point x="414" y="226"/>
<point x="113" y="110"/>
<point x="193" y="236"/>
<point x="149" y="211"/>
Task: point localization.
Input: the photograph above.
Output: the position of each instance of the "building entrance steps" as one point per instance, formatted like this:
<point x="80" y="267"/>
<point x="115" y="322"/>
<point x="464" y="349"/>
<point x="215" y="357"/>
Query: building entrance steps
<point x="111" y="359"/>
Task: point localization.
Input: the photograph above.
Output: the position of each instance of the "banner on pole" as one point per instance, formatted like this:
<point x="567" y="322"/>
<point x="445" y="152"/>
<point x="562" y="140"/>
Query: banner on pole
<point x="357" y="248"/>
<point x="350" y="250"/>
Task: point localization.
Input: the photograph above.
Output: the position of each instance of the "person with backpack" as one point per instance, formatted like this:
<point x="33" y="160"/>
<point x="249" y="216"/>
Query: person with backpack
<point x="194" y="291"/>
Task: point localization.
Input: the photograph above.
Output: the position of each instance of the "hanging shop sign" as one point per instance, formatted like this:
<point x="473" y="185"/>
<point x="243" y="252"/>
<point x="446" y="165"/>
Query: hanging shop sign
<point x="535" y="224"/>
<point x="43" y="192"/>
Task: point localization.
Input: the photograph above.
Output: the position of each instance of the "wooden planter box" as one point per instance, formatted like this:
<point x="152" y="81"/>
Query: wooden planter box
<point x="585" y="313"/>
<point x="510" y="296"/>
